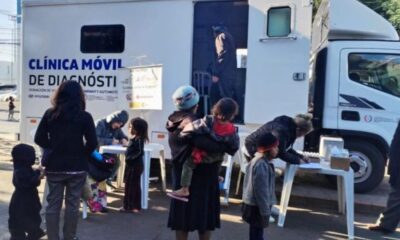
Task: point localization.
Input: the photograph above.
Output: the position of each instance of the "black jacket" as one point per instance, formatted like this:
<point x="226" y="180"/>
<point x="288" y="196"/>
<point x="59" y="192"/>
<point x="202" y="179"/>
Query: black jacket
<point x="202" y="136"/>
<point x="70" y="141"/>
<point x="394" y="159"/>
<point x="284" y="128"/>
<point x="26" y="179"/>
<point x="134" y="152"/>
<point x="180" y="149"/>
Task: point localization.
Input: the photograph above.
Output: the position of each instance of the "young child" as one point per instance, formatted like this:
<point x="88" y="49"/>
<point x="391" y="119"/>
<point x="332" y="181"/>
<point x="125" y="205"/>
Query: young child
<point x="259" y="186"/>
<point x="134" y="165"/>
<point x="11" y="107"/>
<point x="24" y="210"/>
<point x="220" y="129"/>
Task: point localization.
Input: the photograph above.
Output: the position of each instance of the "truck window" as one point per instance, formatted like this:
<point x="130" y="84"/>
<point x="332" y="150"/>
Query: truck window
<point x="377" y="70"/>
<point x="278" y="22"/>
<point x="103" y="39"/>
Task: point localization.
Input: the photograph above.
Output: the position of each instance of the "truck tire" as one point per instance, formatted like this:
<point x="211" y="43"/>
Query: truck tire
<point x="367" y="163"/>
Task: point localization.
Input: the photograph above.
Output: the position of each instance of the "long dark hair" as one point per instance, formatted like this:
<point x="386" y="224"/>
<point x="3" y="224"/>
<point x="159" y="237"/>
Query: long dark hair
<point x="68" y="101"/>
<point x="139" y="128"/>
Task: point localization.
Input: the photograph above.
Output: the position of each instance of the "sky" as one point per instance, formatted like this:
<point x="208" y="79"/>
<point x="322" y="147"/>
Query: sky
<point x="6" y="27"/>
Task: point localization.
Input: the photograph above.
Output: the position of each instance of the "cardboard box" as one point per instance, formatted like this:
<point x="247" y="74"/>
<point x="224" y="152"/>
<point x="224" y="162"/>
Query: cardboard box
<point x="342" y="163"/>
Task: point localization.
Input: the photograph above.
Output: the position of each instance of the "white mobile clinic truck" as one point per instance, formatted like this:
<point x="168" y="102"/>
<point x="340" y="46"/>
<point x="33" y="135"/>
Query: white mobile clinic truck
<point x="132" y="55"/>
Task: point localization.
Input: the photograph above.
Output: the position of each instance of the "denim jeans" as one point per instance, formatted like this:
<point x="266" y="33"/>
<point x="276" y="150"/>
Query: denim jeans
<point x="72" y="184"/>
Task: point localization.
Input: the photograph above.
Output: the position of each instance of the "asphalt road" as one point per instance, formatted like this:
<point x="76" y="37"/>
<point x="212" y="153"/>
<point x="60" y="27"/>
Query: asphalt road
<point x="304" y="221"/>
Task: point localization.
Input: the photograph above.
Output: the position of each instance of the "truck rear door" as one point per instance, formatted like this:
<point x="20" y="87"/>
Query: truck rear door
<point x="277" y="59"/>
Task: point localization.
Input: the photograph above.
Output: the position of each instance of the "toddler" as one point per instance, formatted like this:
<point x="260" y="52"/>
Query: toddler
<point x="219" y="128"/>
<point x="134" y="165"/>
<point x="24" y="210"/>
<point x="259" y="186"/>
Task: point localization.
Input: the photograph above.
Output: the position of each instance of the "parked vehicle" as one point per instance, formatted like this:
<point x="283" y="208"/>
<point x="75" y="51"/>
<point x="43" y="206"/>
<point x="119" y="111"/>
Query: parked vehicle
<point x="7" y="91"/>
<point x="134" y="54"/>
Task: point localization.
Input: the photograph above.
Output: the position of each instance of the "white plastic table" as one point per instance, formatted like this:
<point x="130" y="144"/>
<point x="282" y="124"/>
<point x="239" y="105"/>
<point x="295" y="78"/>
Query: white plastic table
<point x="345" y="183"/>
<point x="144" y="180"/>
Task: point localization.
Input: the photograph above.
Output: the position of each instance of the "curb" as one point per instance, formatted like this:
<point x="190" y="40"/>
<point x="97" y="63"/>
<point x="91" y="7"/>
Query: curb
<point x="360" y="208"/>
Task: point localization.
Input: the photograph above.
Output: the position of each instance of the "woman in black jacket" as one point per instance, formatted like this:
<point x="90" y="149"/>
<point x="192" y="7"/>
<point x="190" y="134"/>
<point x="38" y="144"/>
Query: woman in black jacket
<point x="202" y="212"/>
<point x="287" y="130"/>
<point x="68" y="136"/>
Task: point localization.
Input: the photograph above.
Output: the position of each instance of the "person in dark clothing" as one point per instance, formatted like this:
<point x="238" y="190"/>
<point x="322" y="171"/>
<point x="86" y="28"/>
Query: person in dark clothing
<point x="24" y="210"/>
<point x="109" y="129"/>
<point x="286" y="129"/>
<point x="390" y="218"/>
<point x="134" y="165"/>
<point x="67" y="132"/>
<point x="11" y="109"/>
<point x="224" y="72"/>
<point x="109" y="132"/>
<point x="218" y="127"/>
<point x="202" y="212"/>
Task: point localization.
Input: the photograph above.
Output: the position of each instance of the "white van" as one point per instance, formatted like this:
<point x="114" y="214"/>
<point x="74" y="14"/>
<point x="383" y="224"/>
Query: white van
<point x="106" y="44"/>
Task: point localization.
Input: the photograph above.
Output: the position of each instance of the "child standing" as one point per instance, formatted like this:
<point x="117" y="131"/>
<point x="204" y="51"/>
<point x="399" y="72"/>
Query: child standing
<point x="220" y="129"/>
<point x="259" y="186"/>
<point x="11" y="107"/>
<point x="24" y="210"/>
<point x="134" y="165"/>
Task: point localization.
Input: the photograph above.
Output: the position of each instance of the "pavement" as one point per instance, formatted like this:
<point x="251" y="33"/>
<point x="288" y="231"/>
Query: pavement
<point x="304" y="221"/>
<point x="312" y="215"/>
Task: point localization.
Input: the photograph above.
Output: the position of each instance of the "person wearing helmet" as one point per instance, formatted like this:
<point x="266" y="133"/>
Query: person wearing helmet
<point x="202" y="211"/>
<point x="218" y="128"/>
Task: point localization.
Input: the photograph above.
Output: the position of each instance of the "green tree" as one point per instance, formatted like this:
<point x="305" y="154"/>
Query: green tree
<point x="392" y="9"/>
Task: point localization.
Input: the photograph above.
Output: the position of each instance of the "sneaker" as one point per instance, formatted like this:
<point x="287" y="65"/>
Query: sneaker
<point x="379" y="228"/>
<point x="104" y="210"/>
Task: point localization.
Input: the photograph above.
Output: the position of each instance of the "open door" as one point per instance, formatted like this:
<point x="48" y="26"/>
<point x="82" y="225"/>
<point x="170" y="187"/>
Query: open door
<point x="277" y="59"/>
<point x="233" y="16"/>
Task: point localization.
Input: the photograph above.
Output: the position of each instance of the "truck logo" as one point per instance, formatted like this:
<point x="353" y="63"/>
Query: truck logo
<point x="358" y="102"/>
<point x="368" y="118"/>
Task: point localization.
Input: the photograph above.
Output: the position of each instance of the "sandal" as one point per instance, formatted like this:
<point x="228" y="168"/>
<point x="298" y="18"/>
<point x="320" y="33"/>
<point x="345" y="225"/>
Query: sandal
<point x="172" y="195"/>
<point x="124" y="210"/>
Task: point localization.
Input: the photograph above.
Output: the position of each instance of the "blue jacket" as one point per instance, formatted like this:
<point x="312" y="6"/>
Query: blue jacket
<point x="104" y="132"/>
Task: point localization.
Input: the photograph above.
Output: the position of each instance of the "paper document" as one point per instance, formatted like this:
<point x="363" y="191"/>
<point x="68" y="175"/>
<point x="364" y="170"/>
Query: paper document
<point x="310" y="166"/>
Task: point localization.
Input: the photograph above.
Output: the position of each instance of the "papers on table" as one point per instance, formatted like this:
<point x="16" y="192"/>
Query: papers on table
<point x="310" y="166"/>
<point x="114" y="149"/>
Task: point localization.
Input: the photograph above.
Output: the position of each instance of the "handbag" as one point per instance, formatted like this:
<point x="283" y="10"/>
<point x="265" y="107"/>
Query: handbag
<point x="101" y="170"/>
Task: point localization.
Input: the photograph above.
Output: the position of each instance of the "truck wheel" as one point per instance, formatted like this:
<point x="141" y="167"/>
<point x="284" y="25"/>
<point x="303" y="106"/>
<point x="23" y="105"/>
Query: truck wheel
<point x="367" y="163"/>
